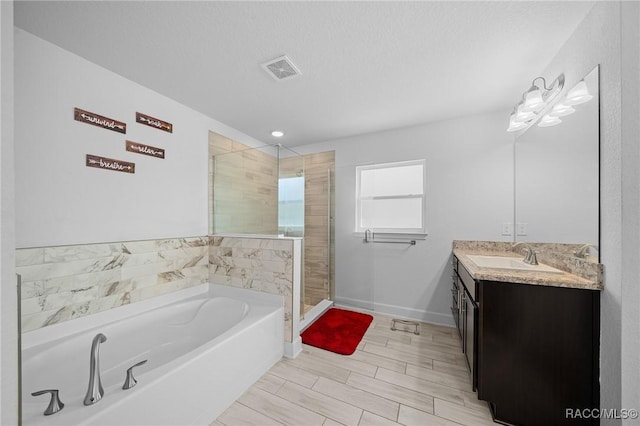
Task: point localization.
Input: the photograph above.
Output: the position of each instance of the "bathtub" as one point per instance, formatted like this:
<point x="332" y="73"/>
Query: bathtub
<point x="205" y="346"/>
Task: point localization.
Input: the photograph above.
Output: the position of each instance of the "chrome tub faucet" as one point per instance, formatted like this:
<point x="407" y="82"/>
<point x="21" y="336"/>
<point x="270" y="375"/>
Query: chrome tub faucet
<point x="95" y="391"/>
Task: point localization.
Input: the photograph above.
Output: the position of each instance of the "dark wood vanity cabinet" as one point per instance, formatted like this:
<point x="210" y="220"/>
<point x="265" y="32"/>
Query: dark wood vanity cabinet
<point x="536" y="351"/>
<point x="465" y="312"/>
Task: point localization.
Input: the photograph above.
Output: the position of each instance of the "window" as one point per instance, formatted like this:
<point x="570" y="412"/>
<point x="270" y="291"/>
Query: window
<point x="390" y="197"/>
<point x="291" y="206"/>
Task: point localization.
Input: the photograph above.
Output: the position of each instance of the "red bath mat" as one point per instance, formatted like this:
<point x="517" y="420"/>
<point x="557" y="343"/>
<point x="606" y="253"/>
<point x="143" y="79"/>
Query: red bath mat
<point x="337" y="331"/>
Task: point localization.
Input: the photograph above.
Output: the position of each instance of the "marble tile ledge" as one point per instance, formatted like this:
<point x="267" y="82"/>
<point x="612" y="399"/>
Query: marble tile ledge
<point x="578" y="273"/>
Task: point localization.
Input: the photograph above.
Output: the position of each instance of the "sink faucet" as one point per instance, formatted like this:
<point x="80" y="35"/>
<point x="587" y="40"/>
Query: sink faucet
<point x="530" y="254"/>
<point x="95" y="391"/>
<point x="584" y="251"/>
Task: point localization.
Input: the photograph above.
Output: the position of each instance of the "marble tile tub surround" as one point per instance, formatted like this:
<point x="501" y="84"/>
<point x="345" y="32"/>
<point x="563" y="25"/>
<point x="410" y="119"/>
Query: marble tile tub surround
<point x="585" y="274"/>
<point x="66" y="282"/>
<point x="258" y="263"/>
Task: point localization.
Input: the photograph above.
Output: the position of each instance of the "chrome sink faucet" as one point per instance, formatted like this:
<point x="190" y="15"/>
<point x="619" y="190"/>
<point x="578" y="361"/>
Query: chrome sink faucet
<point x="584" y="251"/>
<point x="529" y="255"/>
<point x="95" y="391"/>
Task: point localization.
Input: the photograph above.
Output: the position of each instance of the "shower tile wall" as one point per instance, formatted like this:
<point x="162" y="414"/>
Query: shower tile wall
<point x="247" y="188"/>
<point x="259" y="264"/>
<point x="318" y="253"/>
<point x="67" y="282"/>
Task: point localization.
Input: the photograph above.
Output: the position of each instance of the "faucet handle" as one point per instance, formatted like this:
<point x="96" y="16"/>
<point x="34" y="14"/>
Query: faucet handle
<point x="131" y="381"/>
<point x="55" y="404"/>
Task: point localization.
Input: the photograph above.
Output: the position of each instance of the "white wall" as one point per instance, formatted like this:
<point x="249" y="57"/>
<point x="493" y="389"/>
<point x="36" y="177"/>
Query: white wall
<point x="469" y="195"/>
<point x="61" y="201"/>
<point x="8" y="295"/>
<point x="630" y="292"/>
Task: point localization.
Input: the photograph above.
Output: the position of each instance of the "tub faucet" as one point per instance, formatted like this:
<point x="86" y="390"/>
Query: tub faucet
<point x="530" y="254"/>
<point x="95" y="391"/>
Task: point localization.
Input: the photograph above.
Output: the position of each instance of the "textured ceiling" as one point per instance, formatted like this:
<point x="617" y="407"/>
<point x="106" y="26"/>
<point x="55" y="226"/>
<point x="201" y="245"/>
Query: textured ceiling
<point x="366" y="66"/>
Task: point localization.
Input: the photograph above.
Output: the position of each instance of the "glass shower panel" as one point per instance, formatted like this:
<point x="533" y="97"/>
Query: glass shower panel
<point x="245" y="192"/>
<point x="291" y="206"/>
<point x="291" y="200"/>
<point x="273" y="190"/>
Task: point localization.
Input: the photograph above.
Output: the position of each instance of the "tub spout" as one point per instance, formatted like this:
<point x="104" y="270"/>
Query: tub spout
<point x="95" y="391"/>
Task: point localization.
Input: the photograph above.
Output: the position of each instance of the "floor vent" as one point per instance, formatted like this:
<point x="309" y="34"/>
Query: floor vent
<point x="405" y="325"/>
<point x="281" y="68"/>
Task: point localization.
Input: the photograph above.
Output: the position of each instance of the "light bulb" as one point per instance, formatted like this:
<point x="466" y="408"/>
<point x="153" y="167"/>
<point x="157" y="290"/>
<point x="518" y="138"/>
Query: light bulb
<point x="515" y="125"/>
<point x="578" y="95"/>
<point x="548" y="121"/>
<point x="561" y="110"/>
<point x="523" y="116"/>
<point x="533" y="100"/>
<point x="277" y="134"/>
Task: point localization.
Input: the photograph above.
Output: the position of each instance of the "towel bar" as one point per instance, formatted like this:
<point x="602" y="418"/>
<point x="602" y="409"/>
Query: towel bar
<point x="369" y="237"/>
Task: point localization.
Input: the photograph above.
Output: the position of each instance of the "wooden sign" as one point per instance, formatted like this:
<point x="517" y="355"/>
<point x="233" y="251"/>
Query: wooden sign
<point x="110" y="164"/>
<point x="145" y="149"/>
<point x="99" y="120"/>
<point x="154" y="122"/>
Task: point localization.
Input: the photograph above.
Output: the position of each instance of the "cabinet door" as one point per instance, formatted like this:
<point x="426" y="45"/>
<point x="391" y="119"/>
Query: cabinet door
<point x="469" y="312"/>
<point x="538" y="352"/>
<point x="455" y="302"/>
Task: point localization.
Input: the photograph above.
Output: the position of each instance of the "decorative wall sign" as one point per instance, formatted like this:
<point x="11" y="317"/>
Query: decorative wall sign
<point x="110" y="164"/>
<point x="145" y="149"/>
<point x="99" y="120"/>
<point x="154" y="122"/>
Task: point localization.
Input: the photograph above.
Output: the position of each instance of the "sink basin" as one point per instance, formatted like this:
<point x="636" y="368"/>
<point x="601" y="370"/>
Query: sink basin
<point x="511" y="263"/>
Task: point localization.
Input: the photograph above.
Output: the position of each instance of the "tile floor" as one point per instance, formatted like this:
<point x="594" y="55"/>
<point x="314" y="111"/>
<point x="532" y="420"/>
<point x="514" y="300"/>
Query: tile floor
<point x="393" y="378"/>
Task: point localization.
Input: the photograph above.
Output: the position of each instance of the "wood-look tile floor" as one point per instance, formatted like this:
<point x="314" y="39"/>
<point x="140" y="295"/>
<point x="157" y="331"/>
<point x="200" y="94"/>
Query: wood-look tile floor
<point x="393" y="378"/>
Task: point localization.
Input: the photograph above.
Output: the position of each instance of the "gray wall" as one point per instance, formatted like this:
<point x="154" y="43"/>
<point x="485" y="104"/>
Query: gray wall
<point x="469" y="194"/>
<point x="630" y="292"/>
<point x="8" y="295"/>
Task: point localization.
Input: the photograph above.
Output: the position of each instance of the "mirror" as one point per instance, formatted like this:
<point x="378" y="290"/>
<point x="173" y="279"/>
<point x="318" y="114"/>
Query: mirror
<point x="557" y="177"/>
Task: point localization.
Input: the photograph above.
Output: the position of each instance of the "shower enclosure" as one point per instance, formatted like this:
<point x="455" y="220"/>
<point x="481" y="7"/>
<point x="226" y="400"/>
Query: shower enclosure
<point x="272" y="190"/>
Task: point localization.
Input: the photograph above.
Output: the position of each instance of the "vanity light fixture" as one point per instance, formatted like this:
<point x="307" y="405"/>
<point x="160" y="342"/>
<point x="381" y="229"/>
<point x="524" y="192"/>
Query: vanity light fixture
<point x="534" y="101"/>
<point x="537" y="102"/>
<point x="277" y="134"/>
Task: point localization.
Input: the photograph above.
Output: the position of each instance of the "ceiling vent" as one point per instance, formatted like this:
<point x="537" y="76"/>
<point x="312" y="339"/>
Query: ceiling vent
<point x="281" y="68"/>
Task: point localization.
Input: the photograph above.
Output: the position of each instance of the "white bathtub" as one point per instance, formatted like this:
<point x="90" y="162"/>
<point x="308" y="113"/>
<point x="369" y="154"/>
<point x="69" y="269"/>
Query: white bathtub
<point x="205" y="346"/>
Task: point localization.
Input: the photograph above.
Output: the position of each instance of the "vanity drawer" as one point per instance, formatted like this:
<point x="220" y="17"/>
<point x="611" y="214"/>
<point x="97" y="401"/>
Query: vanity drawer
<point x="468" y="281"/>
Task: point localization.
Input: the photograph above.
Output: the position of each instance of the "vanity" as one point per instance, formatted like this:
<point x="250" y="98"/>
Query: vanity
<point x="530" y="334"/>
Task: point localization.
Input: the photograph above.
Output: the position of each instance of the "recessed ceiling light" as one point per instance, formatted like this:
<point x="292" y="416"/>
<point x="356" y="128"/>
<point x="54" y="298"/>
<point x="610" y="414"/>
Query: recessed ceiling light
<point x="277" y="134"/>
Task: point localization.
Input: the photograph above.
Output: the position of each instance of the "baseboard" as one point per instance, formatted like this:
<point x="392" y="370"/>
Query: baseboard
<point x="293" y="349"/>
<point x="397" y="311"/>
